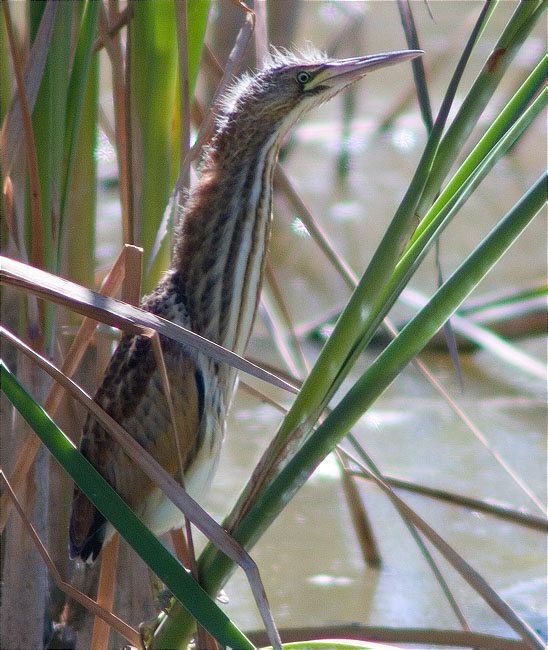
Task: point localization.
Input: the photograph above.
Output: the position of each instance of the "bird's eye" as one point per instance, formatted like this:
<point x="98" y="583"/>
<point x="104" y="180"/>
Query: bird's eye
<point x="303" y="77"/>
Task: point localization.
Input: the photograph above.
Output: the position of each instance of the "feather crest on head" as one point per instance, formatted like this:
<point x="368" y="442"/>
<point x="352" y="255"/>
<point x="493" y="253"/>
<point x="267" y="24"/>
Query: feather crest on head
<point x="277" y="57"/>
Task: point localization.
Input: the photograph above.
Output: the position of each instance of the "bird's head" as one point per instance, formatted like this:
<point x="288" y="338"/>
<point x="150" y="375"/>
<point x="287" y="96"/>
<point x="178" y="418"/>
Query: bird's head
<point x="290" y="85"/>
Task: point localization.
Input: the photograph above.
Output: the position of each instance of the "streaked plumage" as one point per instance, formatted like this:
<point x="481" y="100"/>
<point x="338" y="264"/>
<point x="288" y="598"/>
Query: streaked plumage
<point x="213" y="288"/>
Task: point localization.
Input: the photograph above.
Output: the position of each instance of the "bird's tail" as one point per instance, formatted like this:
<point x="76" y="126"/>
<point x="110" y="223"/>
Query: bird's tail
<point x="87" y="529"/>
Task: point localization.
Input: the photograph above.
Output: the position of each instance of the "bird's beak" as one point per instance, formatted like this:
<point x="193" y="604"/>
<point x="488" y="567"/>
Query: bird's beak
<point x="338" y="74"/>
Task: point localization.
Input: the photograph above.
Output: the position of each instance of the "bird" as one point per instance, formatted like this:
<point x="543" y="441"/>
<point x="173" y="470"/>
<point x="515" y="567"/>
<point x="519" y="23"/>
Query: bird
<point x="212" y="287"/>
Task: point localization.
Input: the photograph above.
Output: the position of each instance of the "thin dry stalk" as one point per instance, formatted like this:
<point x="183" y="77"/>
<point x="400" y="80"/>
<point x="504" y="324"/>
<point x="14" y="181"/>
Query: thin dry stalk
<point x="126" y="138"/>
<point x="361" y="525"/>
<point x="133" y="264"/>
<point x="37" y="250"/>
<point x="501" y="511"/>
<point x="105" y="592"/>
<point x="112" y="42"/>
<point x="180" y="548"/>
<point x="116" y="25"/>
<point x="233" y="64"/>
<point x="166" y="387"/>
<point x="261" y="396"/>
<point x="182" y="46"/>
<point x="13" y="129"/>
<point x="10" y="217"/>
<point x="360" y="520"/>
<point x="271" y="318"/>
<point x="448" y="51"/>
<point x="261" y="32"/>
<point x="37" y="244"/>
<point x="436" y="571"/>
<point x="316" y="232"/>
<point x="293" y="353"/>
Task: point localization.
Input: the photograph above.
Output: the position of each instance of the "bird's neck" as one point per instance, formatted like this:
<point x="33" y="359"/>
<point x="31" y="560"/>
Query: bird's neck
<point x="220" y="251"/>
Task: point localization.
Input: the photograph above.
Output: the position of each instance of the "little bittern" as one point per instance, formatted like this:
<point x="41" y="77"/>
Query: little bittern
<point x="212" y="288"/>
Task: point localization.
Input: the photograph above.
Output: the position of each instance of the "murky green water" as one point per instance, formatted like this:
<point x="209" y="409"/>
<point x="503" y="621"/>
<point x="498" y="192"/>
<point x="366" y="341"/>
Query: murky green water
<point x="311" y="561"/>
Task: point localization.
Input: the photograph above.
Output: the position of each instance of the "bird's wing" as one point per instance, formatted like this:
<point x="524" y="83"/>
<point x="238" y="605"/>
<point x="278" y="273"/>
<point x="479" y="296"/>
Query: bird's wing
<point x="132" y="393"/>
